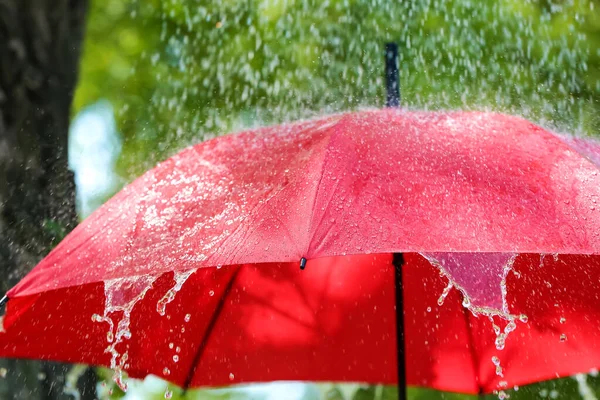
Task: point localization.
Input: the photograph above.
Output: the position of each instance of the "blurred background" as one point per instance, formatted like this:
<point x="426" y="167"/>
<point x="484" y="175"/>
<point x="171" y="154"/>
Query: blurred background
<point x="144" y="79"/>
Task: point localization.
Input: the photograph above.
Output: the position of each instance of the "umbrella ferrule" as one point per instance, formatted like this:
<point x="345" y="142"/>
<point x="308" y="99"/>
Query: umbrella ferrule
<point x="302" y="263"/>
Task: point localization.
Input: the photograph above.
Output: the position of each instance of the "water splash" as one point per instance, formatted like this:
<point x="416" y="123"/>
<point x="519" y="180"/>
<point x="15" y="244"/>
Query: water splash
<point x="122" y="295"/>
<point x="179" y="278"/>
<point x="445" y="293"/>
<point x="481" y="279"/>
<point x="496" y="362"/>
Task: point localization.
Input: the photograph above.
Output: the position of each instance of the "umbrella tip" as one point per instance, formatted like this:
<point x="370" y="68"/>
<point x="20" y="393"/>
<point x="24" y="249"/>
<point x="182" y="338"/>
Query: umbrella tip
<point x="392" y="81"/>
<point x="302" y="263"/>
<point x="3" y="301"/>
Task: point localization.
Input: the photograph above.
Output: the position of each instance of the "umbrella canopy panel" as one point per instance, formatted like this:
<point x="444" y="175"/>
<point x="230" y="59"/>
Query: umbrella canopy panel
<point x="370" y="182"/>
<point x="334" y="321"/>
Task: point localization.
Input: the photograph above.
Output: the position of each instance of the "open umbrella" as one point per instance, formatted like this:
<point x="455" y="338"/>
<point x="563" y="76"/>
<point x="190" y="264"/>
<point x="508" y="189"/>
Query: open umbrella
<point x="139" y="285"/>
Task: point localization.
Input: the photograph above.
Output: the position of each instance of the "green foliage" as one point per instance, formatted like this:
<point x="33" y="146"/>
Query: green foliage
<point x="179" y="71"/>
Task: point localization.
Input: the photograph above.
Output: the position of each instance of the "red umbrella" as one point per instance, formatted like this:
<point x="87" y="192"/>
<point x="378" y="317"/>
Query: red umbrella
<point x="345" y="193"/>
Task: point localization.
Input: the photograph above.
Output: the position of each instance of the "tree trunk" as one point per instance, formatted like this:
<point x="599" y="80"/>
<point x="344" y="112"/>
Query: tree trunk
<point x="40" y="42"/>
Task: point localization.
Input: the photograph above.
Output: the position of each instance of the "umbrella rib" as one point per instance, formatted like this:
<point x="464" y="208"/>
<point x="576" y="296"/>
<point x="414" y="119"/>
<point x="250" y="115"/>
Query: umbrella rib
<point x="318" y="188"/>
<point x="473" y="351"/>
<point x="209" y="330"/>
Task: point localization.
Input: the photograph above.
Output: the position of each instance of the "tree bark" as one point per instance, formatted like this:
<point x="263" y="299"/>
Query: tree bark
<point x="40" y="43"/>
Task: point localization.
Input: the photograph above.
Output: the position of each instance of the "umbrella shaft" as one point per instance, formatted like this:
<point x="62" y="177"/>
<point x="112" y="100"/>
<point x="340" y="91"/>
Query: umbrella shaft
<point x="398" y="262"/>
<point x="392" y="84"/>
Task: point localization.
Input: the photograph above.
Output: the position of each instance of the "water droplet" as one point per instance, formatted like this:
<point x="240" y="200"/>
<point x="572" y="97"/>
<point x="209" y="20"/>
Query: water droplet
<point x="563" y="338"/>
<point x="168" y="394"/>
<point x="166" y="371"/>
<point x="428" y="309"/>
<point x="231" y="376"/>
<point x="563" y="320"/>
<point x="41" y="376"/>
<point x="3" y="372"/>
<point x="523" y="318"/>
<point x="502" y="395"/>
<point x="177" y="349"/>
<point x="211" y="293"/>
<point x="176" y="358"/>
<point x="219" y="266"/>
<point x="466" y="303"/>
<point x="187" y="317"/>
<point x="171" y="345"/>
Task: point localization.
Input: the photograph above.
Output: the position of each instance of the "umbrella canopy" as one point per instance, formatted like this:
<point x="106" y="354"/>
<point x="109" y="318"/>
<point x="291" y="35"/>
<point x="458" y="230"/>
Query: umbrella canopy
<point x="344" y="192"/>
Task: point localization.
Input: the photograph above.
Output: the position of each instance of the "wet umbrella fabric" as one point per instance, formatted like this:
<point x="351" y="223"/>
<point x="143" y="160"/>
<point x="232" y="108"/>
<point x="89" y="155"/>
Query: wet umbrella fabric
<point x="374" y="182"/>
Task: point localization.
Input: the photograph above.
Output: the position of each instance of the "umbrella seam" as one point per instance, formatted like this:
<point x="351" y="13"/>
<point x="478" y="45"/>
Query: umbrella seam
<point x="255" y="212"/>
<point x="204" y="342"/>
<point x="336" y="130"/>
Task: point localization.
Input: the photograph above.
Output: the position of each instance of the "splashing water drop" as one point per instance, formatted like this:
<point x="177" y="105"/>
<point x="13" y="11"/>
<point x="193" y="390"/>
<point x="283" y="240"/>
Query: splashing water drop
<point x="187" y="317"/>
<point x="523" y="318"/>
<point x="502" y="395"/>
<point x="168" y="394"/>
<point x="466" y="303"/>
<point x="179" y="278"/>
<point x="231" y="376"/>
<point x="171" y="345"/>
<point x="122" y="294"/>
<point x="211" y="293"/>
<point x="166" y="371"/>
<point x="176" y="358"/>
<point x="444" y="294"/>
<point x="563" y="337"/>
<point x="496" y="362"/>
